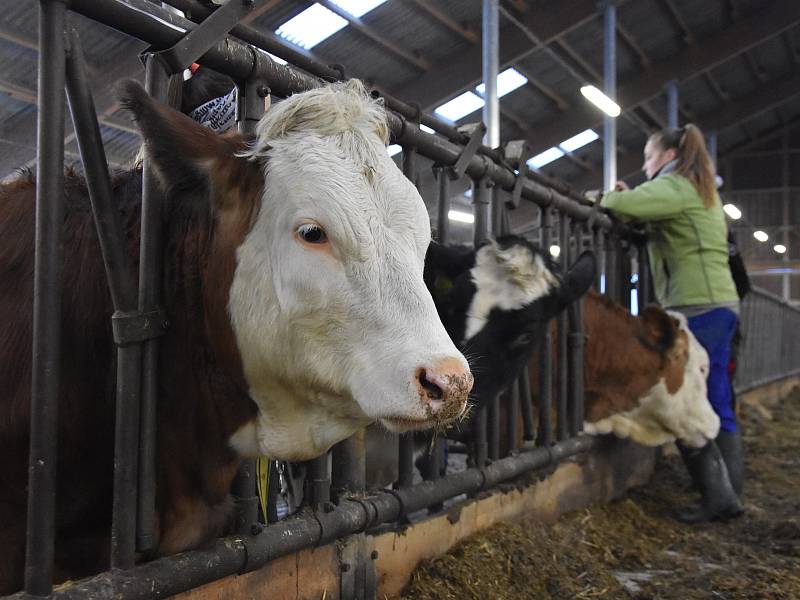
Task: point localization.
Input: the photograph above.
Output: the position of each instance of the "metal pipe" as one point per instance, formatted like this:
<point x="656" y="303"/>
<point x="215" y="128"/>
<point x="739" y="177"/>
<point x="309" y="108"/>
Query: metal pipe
<point x="405" y="464"/>
<point x="610" y="89"/>
<point x="544" y="436"/>
<point x="481" y="208"/>
<point x="45" y="374"/>
<point x="480" y="445"/>
<point x="643" y="282"/>
<point x="712" y="147"/>
<point x="562" y="420"/>
<point x="528" y="430"/>
<point x="318" y="482"/>
<point x="493" y="428"/>
<point x="512" y="416"/>
<point x="491" y="58"/>
<point x="671" y="89"/>
<point x="348" y="467"/>
<point x="241" y="554"/>
<point x="443" y="206"/>
<point x="611" y="270"/>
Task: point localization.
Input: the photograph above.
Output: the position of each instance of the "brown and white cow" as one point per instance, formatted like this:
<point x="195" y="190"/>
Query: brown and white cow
<point x="293" y="281"/>
<point x="644" y="376"/>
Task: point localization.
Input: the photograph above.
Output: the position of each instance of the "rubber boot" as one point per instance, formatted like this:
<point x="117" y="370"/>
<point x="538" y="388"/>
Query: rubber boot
<point x="707" y="469"/>
<point x="730" y="445"/>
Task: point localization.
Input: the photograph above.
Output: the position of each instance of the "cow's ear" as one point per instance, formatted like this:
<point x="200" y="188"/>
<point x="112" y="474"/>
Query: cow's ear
<point x="661" y="329"/>
<point x="183" y="152"/>
<point x="578" y="278"/>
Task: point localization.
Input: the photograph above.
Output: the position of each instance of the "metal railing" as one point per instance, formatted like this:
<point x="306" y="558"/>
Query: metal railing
<point x="770" y="348"/>
<point x="332" y="511"/>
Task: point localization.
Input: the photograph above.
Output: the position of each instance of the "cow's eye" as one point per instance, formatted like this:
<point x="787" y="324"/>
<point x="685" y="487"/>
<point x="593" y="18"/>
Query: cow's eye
<point x="312" y="233"/>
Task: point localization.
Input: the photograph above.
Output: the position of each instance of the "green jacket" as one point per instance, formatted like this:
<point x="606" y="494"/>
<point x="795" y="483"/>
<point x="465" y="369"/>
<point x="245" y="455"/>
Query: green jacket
<point x="687" y="242"/>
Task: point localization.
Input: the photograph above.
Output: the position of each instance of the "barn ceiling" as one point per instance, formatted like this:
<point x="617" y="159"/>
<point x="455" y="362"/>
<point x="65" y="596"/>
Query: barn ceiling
<point x="736" y="63"/>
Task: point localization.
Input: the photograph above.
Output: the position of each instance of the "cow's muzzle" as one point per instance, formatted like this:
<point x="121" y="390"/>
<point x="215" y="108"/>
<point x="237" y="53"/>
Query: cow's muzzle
<point x="443" y="388"/>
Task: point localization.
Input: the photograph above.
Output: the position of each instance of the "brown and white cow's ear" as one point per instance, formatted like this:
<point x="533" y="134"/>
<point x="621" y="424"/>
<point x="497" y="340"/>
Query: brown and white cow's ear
<point x="578" y="278"/>
<point x="186" y="154"/>
<point x="661" y="329"/>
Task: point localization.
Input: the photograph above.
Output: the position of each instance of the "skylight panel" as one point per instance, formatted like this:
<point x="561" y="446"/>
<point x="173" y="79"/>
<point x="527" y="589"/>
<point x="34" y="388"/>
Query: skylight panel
<point x="277" y="59"/>
<point x="394" y="149"/>
<point x="545" y="157"/>
<point x="311" y="26"/>
<point x="426" y="129"/>
<point x="507" y="81"/>
<point x="460" y="106"/>
<point x="579" y="141"/>
<point x="358" y="8"/>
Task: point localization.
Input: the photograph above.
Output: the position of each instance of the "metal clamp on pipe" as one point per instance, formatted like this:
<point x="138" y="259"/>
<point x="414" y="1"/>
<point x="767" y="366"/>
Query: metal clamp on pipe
<point x="202" y="38"/>
<point x="134" y="327"/>
<point x="475" y="131"/>
<point x="517" y="153"/>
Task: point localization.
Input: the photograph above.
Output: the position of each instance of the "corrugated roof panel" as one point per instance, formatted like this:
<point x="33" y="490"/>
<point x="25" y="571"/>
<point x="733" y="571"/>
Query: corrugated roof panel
<point x="735" y="76"/>
<point x="702" y="18"/>
<point x="653" y="26"/>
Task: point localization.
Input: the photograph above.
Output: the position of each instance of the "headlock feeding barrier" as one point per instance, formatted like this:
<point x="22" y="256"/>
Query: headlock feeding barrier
<point x="336" y="502"/>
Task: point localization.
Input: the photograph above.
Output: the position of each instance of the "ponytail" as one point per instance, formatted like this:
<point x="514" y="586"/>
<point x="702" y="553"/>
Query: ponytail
<point x="694" y="162"/>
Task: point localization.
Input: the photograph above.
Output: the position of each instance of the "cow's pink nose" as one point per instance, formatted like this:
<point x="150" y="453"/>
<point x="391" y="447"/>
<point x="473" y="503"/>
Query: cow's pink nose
<point x="444" y="387"/>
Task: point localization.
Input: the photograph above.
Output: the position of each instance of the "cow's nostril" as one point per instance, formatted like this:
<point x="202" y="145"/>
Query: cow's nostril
<point x="433" y="390"/>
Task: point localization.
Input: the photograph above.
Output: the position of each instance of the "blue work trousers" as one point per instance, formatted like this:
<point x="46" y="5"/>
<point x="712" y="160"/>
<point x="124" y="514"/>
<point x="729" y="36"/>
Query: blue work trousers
<point x="714" y="330"/>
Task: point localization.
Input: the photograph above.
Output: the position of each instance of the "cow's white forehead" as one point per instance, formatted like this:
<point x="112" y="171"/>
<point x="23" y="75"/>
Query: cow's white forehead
<point x="506" y="279"/>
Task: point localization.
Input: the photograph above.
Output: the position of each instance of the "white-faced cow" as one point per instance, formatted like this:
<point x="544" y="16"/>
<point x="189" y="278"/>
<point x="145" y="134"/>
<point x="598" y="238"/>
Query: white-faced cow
<point x="644" y="376"/>
<point x="293" y="280"/>
<point x="496" y="302"/>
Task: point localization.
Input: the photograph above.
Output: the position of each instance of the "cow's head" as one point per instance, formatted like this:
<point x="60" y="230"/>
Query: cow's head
<point x="315" y="274"/>
<point x="498" y="310"/>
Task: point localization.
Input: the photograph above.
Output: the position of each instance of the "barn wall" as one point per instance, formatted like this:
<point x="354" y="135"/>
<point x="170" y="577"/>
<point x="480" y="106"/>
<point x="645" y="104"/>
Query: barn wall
<point x="603" y="474"/>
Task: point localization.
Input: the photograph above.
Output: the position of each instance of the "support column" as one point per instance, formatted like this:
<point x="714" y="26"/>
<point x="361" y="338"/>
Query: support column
<point x="672" y="103"/>
<point x="786" y="278"/>
<point x="491" y="107"/>
<point x="610" y="90"/>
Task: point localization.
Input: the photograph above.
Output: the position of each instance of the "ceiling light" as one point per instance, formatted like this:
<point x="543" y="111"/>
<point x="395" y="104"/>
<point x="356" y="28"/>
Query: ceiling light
<point x="545" y="157"/>
<point x="426" y="129"/>
<point x="460" y="106"/>
<point x="578" y="141"/>
<point x="779" y="248"/>
<point x="358" y="8"/>
<point x="555" y="251"/>
<point x="760" y="236"/>
<point x="394" y="149"/>
<point x="461" y="217"/>
<point x="311" y="26"/>
<point x="733" y="212"/>
<point x="507" y="81"/>
<point x="601" y="101"/>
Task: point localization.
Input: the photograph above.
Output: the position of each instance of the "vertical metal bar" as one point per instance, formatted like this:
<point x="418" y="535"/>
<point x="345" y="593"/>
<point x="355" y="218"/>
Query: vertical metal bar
<point x="528" y="430"/>
<point x="575" y="347"/>
<point x="491" y="59"/>
<point x="562" y="424"/>
<point x="786" y="196"/>
<point x="405" y="465"/>
<point x="611" y="270"/>
<point x="144" y="412"/>
<point x="671" y="89"/>
<point x="443" y="208"/>
<point x="643" y="284"/>
<point x="498" y="213"/>
<point x="610" y="89"/>
<point x="480" y="445"/>
<point x="493" y="428"/>
<point x="46" y="302"/>
<point x="481" y="205"/>
<point x="512" y="416"/>
<point x="111" y="238"/>
<point x="318" y="483"/>
<point x="348" y="467"/>
<point x="544" y="436"/>
<point x="712" y="147"/>
<point x="249" y="109"/>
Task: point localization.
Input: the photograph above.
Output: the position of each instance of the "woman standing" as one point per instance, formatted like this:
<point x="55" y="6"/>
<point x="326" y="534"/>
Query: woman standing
<point x="687" y="243"/>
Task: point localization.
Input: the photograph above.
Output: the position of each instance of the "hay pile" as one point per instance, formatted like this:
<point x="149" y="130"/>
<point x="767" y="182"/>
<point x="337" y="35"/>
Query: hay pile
<point x="634" y="548"/>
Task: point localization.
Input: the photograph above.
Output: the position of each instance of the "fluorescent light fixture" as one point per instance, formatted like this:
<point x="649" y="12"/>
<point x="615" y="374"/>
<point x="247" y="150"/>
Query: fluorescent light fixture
<point x="394" y="149"/>
<point x="358" y="8"/>
<point x="460" y="106"/>
<point x="634" y="302"/>
<point x="426" y="129"/>
<point x="779" y="248"/>
<point x="277" y="59"/>
<point x="555" y="251"/>
<point x="601" y="101"/>
<point x="602" y="283"/>
<point x="461" y="217"/>
<point x="733" y="212"/>
<point x="507" y="81"/>
<point x="579" y="141"/>
<point x="761" y="236"/>
<point x="468" y="193"/>
<point x="311" y="26"/>
<point x="545" y="157"/>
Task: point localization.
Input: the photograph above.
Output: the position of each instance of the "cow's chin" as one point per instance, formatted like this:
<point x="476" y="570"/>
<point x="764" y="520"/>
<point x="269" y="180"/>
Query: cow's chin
<point x="405" y="424"/>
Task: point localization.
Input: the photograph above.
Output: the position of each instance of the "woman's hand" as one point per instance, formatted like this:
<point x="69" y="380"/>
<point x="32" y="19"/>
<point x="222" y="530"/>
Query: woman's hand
<point x="621" y="186"/>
